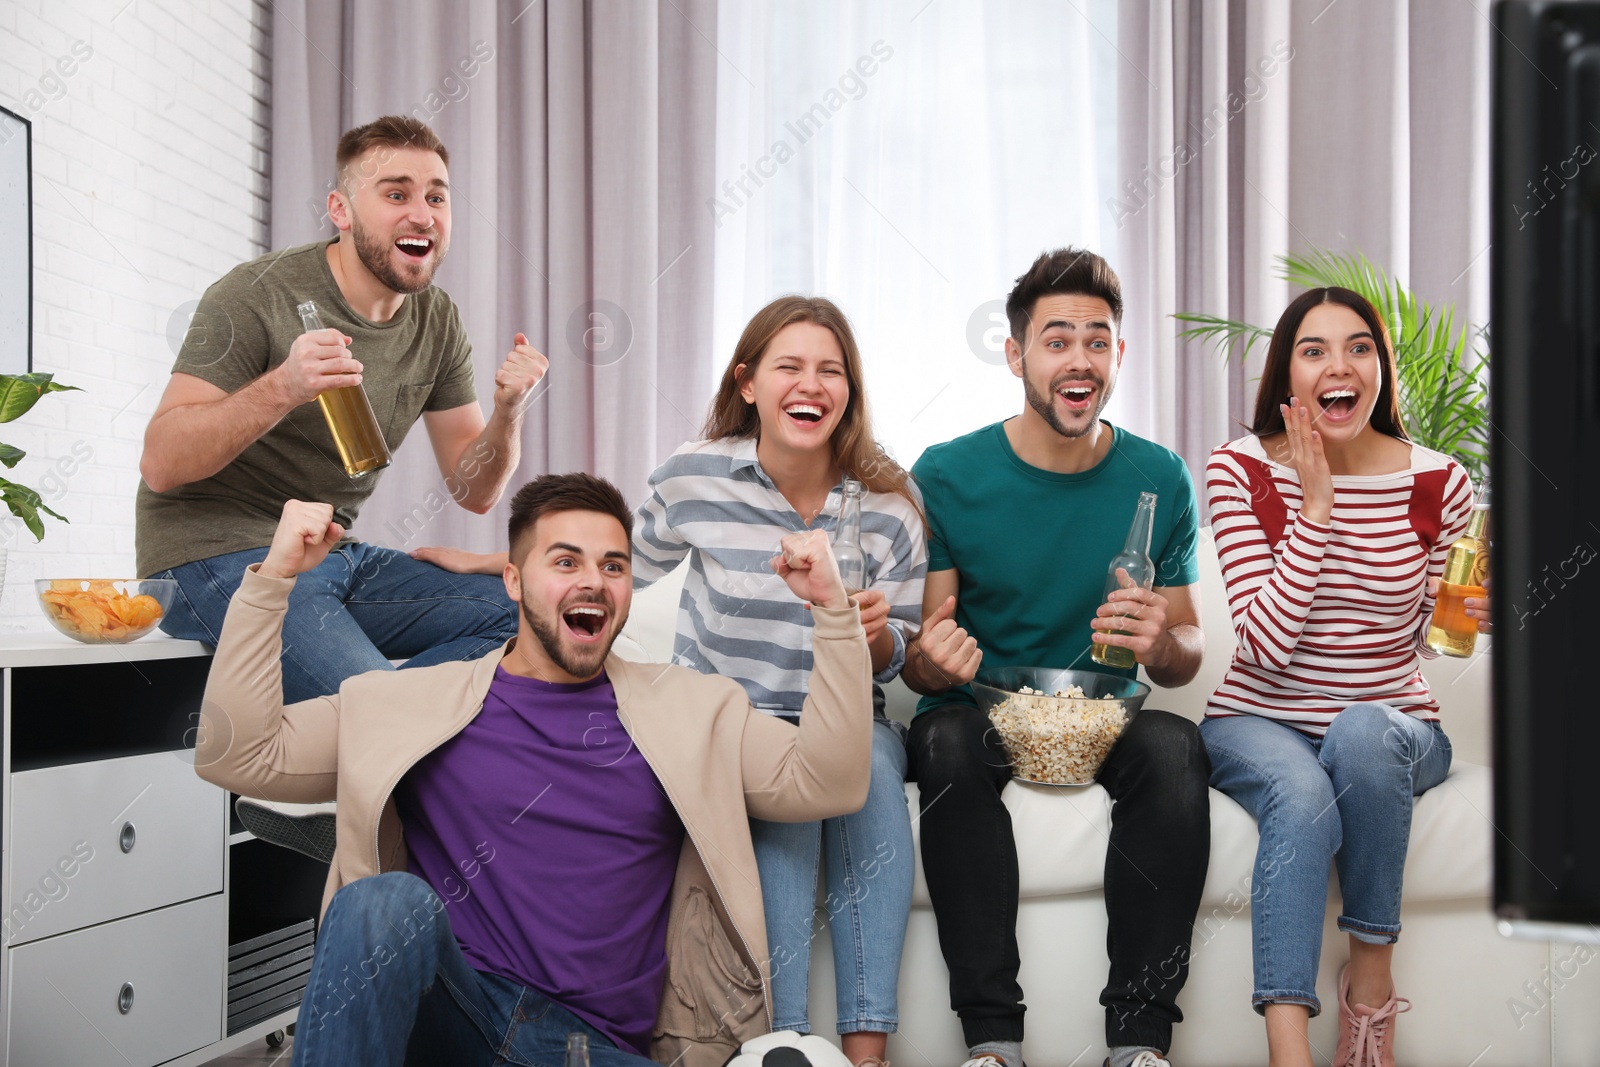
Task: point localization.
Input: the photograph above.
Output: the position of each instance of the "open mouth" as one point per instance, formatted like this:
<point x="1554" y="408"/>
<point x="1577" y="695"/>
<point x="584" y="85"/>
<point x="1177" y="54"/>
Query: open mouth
<point x="415" y="247"/>
<point x="1338" y="404"/>
<point x="804" y="412"/>
<point x="1076" y="396"/>
<point x="585" y="621"/>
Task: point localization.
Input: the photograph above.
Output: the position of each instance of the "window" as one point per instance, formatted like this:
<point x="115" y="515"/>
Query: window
<point x="908" y="161"/>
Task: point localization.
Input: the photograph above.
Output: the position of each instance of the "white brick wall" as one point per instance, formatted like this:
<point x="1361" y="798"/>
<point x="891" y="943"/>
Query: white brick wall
<point x="148" y="184"/>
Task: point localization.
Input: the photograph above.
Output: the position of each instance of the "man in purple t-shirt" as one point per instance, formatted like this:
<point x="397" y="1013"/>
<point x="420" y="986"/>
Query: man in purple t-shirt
<point x="535" y="847"/>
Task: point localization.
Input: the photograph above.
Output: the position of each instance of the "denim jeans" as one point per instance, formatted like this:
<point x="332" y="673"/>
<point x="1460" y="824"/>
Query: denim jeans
<point x="389" y="986"/>
<point x="352" y="613"/>
<point x="1156" y="859"/>
<point x="868" y="877"/>
<point x="1344" y="798"/>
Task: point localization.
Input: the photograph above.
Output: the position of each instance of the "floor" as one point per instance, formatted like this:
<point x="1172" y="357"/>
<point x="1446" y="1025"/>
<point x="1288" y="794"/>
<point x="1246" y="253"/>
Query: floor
<point x="256" y="1054"/>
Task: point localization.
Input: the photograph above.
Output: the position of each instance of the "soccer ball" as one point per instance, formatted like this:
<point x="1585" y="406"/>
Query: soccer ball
<point x="786" y="1048"/>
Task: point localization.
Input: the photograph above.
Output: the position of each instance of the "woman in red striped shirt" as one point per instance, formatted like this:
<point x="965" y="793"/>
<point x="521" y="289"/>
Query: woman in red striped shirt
<point x="1332" y="528"/>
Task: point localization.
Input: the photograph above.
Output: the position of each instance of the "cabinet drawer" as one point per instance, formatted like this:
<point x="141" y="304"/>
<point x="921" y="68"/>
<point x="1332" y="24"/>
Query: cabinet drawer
<point x="67" y="992"/>
<point x="97" y="841"/>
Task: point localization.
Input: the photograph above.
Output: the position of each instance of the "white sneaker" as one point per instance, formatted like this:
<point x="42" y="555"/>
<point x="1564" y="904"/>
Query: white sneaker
<point x="306" y="828"/>
<point x="1150" y="1059"/>
<point x="986" y="1060"/>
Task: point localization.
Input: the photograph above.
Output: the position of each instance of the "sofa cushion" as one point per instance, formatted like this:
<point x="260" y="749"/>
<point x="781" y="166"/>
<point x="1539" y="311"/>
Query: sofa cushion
<point x="1062" y="833"/>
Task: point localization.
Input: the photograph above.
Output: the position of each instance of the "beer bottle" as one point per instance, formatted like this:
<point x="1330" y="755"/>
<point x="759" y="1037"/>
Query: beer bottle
<point x="362" y="448"/>
<point x="847" y="540"/>
<point x="1135" y="559"/>
<point x="1453" y="632"/>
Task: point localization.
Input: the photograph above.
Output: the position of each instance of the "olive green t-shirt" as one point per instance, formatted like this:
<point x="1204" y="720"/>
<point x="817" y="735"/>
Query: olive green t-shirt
<point x="417" y="361"/>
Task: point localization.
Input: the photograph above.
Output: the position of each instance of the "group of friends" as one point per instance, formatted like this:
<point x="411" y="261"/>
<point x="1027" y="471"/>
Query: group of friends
<point x="537" y="836"/>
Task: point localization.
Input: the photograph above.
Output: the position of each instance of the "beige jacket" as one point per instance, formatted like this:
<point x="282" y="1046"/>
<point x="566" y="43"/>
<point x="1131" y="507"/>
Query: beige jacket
<point x="718" y="760"/>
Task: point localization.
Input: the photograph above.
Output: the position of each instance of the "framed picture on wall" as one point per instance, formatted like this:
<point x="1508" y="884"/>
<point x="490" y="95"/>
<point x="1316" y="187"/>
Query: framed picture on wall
<point x="16" y="221"/>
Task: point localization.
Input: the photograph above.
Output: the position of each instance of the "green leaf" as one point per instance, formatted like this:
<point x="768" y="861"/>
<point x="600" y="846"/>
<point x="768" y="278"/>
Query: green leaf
<point x="26" y="504"/>
<point x="1224" y="334"/>
<point x="19" y="392"/>
<point x="10" y="454"/>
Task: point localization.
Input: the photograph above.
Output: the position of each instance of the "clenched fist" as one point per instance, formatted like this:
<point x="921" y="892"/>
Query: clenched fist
<point x="951" y="653"/>
<point x="523" y="369"/>
<point x="304" y="536"/>
<point x="805" y="562"/>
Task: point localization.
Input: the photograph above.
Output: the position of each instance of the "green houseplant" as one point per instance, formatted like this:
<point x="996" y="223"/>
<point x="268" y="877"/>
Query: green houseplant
<point x="1442" y="370"/>
<point x="18" y="393"/>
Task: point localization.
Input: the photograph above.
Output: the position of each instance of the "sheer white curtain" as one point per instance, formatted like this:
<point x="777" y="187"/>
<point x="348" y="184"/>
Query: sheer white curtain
<point x="1190" y="143"/>
<point x="908" y="160"/>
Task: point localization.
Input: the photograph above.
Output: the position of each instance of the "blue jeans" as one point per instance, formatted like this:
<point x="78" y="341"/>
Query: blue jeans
<point x="869" y="877"/>
<point x="389" y="986"/>
<point x="1343" y="798"/>
<point x="354" y="612"/>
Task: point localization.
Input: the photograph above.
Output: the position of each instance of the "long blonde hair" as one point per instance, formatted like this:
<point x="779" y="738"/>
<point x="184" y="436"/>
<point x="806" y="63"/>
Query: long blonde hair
<point x="856" y="452"/>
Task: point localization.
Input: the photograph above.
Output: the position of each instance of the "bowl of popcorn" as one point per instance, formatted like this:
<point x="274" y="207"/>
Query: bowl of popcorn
<point x="105" y="611"/>
<point x="1058" y="726"/>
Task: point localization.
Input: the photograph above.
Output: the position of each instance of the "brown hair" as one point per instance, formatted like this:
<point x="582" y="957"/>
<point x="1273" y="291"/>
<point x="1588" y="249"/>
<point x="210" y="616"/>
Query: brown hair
<point x="856" y="452"/>
<point x="1275" y="375"/>
<point x="390" y="131"/>
<point x="1066" y="270"/>
<point x="550" y="493"/>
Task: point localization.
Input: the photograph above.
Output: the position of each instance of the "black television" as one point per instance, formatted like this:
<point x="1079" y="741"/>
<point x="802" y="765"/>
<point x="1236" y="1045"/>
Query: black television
<point x="1545" y="405"/>
<point x="16" y="222"/>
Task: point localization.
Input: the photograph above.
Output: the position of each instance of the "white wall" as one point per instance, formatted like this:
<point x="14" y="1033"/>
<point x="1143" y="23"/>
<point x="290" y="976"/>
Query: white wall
<point x="149" y="181"/>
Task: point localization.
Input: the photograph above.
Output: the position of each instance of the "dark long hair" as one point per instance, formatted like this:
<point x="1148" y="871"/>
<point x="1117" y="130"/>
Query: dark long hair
<point x="1275" y="376"/>
<point x="856" y="452"/>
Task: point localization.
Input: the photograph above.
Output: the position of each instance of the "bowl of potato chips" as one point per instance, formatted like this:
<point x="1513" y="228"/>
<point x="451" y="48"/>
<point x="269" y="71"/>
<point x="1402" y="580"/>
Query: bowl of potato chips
<point x="105" y="611"/>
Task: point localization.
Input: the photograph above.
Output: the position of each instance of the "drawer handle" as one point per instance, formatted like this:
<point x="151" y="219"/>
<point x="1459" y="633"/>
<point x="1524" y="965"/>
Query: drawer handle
<point x="125" y="998"/>
<point x="126" y="840"/>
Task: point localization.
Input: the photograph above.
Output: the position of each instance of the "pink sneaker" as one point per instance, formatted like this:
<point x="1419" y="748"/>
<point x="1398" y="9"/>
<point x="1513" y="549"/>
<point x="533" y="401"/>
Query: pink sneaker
<point x="1366" y="1035"/>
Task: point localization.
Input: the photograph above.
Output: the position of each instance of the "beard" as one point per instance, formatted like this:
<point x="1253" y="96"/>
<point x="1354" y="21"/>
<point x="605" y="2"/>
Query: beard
<point x="1044" y="404"/>
<point x="578" y="662"/>
<point x="374" y="252"/>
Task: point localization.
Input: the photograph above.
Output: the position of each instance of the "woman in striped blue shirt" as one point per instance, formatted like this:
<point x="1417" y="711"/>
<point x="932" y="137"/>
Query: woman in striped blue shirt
<point x="789" y="422"/>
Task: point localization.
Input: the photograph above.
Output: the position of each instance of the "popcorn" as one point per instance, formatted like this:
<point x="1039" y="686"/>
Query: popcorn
<point x="1059" y="739"/>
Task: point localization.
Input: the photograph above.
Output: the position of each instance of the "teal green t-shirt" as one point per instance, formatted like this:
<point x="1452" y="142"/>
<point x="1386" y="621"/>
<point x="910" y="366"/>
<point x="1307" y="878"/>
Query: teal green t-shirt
<point x="1032" y="546"/>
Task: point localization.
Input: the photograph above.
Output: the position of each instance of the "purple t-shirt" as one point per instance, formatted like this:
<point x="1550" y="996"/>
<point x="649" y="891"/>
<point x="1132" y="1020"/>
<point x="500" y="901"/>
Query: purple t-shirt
<point x="554" y="848"/>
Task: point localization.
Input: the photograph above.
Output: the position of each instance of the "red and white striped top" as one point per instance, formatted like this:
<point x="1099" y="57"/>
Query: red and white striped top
<point x="1327" y="616"/>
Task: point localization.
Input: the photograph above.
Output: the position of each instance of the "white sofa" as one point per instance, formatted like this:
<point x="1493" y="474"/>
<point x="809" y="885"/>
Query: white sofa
<point x="1480" y="1000"/>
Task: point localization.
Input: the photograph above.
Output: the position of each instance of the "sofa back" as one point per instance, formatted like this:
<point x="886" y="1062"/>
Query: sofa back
<point x="1460" y="685"/>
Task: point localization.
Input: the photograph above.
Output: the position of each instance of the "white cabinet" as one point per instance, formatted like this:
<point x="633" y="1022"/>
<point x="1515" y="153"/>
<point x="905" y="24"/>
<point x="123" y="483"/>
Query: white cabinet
<point x="121" y="886"/>
<point x="138" y="990"/>
<point x="110" y="838"/>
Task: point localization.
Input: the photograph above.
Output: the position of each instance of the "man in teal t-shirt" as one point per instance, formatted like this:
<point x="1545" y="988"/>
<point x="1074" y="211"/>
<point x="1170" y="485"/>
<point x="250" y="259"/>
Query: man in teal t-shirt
<point x="1023" y="518"/>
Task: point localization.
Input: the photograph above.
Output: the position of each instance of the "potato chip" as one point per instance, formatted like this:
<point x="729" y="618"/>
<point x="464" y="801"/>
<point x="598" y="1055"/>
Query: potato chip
<point x="96" y="610"/>
<point x="143" y="611"/>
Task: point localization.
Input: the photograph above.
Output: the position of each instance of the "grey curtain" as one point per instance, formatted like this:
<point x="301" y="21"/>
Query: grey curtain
<point x="1349" y="126"/>
<point x="581" y="139"/>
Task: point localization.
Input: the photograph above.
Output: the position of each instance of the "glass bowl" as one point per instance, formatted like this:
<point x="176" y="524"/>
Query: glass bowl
<point x="1058" y="740"/>
<point x="105" y="611"/>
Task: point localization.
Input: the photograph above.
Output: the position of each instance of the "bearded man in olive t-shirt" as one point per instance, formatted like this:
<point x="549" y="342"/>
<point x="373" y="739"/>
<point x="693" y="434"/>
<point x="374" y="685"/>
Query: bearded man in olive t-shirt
<point x="238" y="432"/>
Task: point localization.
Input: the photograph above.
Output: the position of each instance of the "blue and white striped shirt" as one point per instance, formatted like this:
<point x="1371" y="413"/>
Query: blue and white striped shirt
<point x="712" y="502"/>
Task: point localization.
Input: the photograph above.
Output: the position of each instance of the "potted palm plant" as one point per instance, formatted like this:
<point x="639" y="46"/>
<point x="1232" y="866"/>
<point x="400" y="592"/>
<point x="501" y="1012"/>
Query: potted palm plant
<point x="1442" y="370"/>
